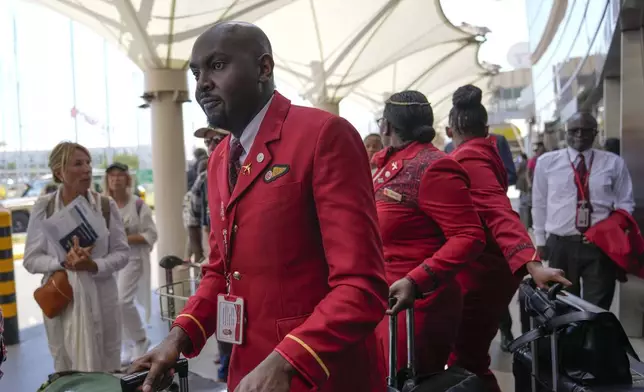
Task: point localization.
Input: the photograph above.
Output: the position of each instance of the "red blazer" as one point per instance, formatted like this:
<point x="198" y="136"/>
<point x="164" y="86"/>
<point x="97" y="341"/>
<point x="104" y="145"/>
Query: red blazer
<point x="305" y="253"/>
<point x="507" y="238"/>
<point x="620" y="238"/>
<point x="426" y="214"/>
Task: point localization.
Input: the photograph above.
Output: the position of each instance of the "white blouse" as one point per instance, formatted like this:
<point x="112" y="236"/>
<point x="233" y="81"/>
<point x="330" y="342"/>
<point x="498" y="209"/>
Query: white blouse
<point x="44" y="257"/>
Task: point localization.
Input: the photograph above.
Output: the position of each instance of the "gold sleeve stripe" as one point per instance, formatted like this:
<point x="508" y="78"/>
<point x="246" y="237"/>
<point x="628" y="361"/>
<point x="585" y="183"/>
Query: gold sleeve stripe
<point x="313" y="354"/>
<point x="191" y="317"/>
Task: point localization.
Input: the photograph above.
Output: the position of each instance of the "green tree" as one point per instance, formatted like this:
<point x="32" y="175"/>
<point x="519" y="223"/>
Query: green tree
<point x="131" y="160"/>
<point x="11" y="165"/>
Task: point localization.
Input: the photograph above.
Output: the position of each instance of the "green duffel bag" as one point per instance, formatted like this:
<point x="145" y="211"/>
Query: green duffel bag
<point x="81" y="382"/>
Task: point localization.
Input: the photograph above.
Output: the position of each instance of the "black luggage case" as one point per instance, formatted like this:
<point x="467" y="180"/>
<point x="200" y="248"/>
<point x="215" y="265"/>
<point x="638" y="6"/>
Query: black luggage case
<point x="132" y="382"/>
<point x="453" y="379"/>
<point x="553" y="314"/>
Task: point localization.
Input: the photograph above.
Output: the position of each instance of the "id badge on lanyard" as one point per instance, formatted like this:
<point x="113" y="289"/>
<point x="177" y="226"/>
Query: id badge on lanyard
<point x="230" y="319"/>
<point x="584" y="209"/>
<point x="230" y="308"/>
<point x="583" y="215"/>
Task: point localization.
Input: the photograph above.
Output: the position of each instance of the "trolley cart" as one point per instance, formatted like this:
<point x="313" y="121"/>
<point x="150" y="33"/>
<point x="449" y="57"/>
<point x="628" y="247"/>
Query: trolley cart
<point x="132" y="382"/>
<point x="174" y="295"/>
<point x="453" y="379"/>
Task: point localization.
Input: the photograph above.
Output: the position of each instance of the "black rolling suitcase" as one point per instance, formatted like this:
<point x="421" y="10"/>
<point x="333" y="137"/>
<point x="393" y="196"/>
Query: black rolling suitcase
<point x="572" y="346"/>
<point x="132" y="382"/>
<point x="453" y="379"/>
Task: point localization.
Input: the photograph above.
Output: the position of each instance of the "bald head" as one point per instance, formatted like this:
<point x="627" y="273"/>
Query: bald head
<point x="582" y="120"/>
<point x="581" y="131"/>
<point x="247" y="35"/>
<point x="233" y="65"/>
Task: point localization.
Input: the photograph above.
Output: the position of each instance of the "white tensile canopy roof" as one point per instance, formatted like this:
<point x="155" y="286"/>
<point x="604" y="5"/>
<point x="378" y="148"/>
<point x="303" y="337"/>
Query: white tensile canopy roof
<point x="327" y="49"/>
<point x="435" y="76"/>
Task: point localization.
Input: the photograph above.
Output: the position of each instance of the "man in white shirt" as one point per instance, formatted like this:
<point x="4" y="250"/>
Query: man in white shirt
<point x="573" y="189"/>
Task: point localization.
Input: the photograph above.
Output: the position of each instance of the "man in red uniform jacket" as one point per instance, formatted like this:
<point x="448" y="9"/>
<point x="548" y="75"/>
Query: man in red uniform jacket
<point x="293" y="234"/>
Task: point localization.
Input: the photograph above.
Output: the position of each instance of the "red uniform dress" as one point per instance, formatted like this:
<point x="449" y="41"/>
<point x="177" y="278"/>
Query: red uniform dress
<point x="299" y="241"/>
<point x="489" y="283"/>
<point x="430" y="230"/>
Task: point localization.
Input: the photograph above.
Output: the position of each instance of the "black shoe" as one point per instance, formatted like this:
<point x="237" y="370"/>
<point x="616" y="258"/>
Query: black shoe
<point x="506" y="339"/>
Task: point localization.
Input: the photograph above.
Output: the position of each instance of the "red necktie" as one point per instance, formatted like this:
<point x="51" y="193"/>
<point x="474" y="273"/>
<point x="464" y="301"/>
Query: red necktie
<point x="583" y="191"/>
<point x="236" y="151"/>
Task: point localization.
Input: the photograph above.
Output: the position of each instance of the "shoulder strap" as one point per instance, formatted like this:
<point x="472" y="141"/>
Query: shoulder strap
<point x="49" y="211"/>
<point x="139" y="205"/>
<point x="105" y="208"/>
<point x="549" y="327"/>
<point x="558" y="322"/>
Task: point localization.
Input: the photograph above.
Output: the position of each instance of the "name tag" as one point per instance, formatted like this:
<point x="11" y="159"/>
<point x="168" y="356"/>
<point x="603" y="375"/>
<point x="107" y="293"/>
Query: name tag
<point x="583" y="216"/>
<point x="230" y="319"/>
<point x="392" y="194"/>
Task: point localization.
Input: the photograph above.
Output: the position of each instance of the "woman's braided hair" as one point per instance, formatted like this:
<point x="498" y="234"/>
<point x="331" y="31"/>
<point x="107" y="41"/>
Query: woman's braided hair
<point x="468" y="116"/>
<point x="411" y="115"/>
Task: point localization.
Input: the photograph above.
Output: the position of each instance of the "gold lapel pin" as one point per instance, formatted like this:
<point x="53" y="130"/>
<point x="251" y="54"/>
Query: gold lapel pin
<point x="246" y="169"/>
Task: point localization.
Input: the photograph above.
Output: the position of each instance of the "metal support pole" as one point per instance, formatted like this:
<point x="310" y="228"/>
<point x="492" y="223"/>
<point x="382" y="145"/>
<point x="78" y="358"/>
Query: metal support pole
<point x="7" y="281"/>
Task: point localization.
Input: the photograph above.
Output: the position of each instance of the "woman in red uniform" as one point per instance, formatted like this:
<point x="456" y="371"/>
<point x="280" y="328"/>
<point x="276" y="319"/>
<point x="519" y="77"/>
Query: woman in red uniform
<point x="429" y="227"/>
<point x="489" y="283"/>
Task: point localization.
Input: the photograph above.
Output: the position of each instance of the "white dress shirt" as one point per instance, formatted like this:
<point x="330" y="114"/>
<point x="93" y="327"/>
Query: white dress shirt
<point x="554" y="192"/>
<point x="250" y="132"/>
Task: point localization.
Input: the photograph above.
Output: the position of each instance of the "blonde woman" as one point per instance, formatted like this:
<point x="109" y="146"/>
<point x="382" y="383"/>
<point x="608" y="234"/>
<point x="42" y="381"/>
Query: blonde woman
<point x="86" y="336"/>
<point x="134" y="280"/>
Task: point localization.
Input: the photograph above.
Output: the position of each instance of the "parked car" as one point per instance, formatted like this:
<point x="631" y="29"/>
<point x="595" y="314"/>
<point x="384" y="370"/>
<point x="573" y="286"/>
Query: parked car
<point x="20" y="207"/>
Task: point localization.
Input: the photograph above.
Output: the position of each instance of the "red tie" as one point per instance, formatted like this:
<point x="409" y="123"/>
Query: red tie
<point x="583" y="193"/>
<point x="236" y="151"/>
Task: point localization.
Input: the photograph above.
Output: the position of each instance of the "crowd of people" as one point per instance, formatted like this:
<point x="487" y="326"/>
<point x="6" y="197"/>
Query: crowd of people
<point x="308" y="232"/>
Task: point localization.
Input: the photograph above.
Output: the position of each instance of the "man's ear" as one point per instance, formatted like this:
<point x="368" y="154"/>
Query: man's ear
<point x="266" y="66"/>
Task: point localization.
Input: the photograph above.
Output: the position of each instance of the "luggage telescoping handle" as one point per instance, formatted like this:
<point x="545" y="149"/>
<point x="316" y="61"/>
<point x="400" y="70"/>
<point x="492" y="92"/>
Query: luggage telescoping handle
<point x="131" y="382"/>
<point x="411" y="343"/>
<point x="392" y="380"/>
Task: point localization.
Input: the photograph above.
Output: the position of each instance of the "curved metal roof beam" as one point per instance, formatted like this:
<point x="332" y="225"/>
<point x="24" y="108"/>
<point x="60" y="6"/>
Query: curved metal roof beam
<point x="139" y="35"/>
<point x="437" y="64"/>
<point x="380" y="22"/>
<point x="102" y="19"/>
<point x="401" y="54"/>
<point x="194" y="32"/>
<point x="382" y="13"/>
<point x="355" y="83"/>
<point x="557" y="13"/>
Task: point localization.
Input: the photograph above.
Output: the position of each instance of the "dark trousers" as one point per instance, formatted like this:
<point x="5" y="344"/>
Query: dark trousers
<point x="581" y="260"/>
<point x="506" y="321"/>
<point x="225" y="350"/>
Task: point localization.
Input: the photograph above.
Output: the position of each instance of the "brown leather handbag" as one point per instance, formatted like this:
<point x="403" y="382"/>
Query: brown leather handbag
<point x="54" y="296"/>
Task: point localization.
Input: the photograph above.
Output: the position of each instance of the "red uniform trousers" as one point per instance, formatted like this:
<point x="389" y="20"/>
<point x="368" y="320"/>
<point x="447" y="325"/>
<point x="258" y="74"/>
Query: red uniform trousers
<point x="487" y="292"/>
<point x="437" y="317"/>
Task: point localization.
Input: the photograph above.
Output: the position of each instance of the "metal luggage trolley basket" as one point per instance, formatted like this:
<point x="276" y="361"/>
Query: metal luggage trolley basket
<point x="174" y="295"/>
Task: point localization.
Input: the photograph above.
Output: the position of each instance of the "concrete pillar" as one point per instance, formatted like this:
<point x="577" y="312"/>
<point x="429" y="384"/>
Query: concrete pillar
<point x="612" y="105"/>
<point x="631" y="297"/>
<point x="330" y="106"/>
<point x="632" y="115"/>
<point x="166" y="90"/>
